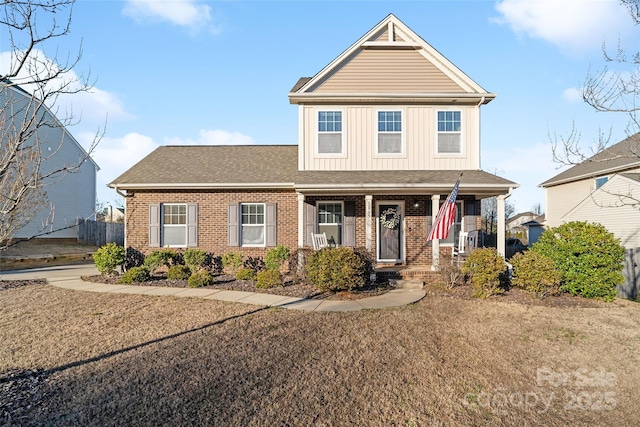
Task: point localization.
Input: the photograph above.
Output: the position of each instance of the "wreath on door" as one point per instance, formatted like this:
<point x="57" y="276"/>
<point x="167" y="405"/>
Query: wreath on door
<point x="390" y="218"/>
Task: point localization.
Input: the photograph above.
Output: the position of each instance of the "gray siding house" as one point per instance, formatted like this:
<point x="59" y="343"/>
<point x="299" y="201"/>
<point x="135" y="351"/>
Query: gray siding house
<point x="70" y="195"/>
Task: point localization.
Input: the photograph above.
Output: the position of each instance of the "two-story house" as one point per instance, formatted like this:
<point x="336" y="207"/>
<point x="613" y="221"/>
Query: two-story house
<point x="385" y="130"/>
<point x="66" y="173"/>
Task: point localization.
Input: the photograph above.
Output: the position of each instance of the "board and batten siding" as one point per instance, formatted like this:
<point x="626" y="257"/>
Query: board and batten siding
<point x="420" y="137"/>
<point x="388" y="71"/>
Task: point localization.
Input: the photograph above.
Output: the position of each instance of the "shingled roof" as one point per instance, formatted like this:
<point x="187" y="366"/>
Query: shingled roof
<point x="211" y="166"/>
<point x="276" y="166"/>
<point x="619" y="157"/>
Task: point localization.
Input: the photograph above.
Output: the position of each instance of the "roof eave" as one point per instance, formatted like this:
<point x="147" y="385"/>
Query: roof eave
<point x="617" y="169"/>
<point x="201" y="186"/>
<point x="440" y="97"/>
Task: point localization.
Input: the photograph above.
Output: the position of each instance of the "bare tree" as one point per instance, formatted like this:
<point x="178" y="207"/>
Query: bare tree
<point x="29" y="91"/>
<point x="489" y="214"/>
<point x="537" y="209"/>
<point x="613" y="89"/>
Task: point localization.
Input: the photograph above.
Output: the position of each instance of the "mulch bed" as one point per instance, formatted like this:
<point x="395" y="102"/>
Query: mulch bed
<point x="12" y="284"/>
<point x="228" y="282"/>
<point x="518" y="296"/>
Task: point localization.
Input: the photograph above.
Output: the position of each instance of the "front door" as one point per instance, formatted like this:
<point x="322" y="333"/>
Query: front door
<point x="389" y="231"/>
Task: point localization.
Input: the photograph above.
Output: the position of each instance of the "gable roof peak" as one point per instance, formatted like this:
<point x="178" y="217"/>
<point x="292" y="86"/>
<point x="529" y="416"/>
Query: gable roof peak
<point x="390" y="43"/>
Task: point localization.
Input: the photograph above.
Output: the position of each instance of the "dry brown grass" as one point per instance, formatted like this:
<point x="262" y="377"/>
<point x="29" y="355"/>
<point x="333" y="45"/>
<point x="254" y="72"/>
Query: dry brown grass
<point x="142" y="360"/>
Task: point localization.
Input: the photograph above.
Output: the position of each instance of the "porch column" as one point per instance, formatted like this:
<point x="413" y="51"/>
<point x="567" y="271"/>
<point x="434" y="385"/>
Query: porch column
<point x="368" y="227"/>
<point x="300" y="220"/>
<point x="501" y="224"/>
<point x="435" y="243"/>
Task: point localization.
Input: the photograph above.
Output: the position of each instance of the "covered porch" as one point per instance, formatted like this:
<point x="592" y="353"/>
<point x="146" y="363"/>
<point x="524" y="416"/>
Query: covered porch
<point x="390" y="213"/>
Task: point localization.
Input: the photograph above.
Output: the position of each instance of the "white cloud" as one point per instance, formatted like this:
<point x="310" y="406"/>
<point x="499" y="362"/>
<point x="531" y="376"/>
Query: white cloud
<point x="114" y="156"/>
<point x="527" y="166"/>
<point x="214" y="137"/>
<point x="572" y="95"/>
<point x="91" y="107"/>
<point x="573" y="25"/>
<point x="191" y="14"/>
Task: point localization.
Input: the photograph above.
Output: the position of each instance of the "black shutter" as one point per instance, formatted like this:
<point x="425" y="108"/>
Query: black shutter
<point x="349" y="223"/>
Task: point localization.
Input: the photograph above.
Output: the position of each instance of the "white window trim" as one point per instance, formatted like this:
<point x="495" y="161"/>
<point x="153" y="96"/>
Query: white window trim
<point x="184" y="226"/>
<point x="335" y="202"/>
<point x="403" y="133"/>
<point x="343" y="140"/>
<point x="462" y="132"/>
<point x="264" y="226"/>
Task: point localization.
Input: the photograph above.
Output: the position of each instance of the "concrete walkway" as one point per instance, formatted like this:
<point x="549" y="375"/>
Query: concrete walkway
<point x="68" y="277"/>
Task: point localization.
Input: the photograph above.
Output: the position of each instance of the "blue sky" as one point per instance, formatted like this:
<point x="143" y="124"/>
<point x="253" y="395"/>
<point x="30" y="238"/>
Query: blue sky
<point x="205" y="72"/>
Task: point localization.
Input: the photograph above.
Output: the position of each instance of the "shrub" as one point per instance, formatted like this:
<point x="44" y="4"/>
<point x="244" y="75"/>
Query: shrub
<point x="159" y="258"/>
<point x="135" y="275"/>
<point x="487" y="269"/>
<point x="200" y="278"/>
<point x="108" y="257"/>
<point x="133" y="258"/>
<point x="178" y="272"/>
<point x="269" y="279"/>
<point x="451" y="275"/>
<point x="232" y="260"/>
<point x="195" y="259"/>
<point x="536" y="274"/>
<point x="335" y="269"/>
<point x="276" y="257"/>
<point x="589" y="258"/>
<point x="246" y="274"/>
<point x="255" y="264"/>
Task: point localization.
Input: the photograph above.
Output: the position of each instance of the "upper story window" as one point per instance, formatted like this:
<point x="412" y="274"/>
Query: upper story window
<point x="449" y="132"/>
<point x="175" y="225"/>
<point x="600" y="181"/>
<point x="330" y="132"/>
<point x="389" y="132"/>
<point x="330" y="221"/>
<point x="253" y="224"/>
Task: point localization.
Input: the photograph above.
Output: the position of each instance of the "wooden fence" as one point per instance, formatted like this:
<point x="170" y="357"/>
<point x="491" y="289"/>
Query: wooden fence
<point x="100" y="233"/>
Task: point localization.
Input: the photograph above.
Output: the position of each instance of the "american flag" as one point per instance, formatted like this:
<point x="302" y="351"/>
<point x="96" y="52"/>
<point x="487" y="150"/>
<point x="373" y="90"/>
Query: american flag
<point x="446" y="216"/>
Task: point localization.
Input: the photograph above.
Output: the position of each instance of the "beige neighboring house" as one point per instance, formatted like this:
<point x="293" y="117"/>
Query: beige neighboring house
<point x="384" y="132"/>
<point x="603" y="189"/>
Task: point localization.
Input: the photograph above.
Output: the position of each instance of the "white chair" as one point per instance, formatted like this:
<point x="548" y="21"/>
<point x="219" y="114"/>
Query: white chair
<point x="465" y="243"/>
<point x="319" y="241"/>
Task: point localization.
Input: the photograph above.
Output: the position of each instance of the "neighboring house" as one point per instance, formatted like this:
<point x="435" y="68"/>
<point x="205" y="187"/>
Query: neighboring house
<point x="385" y="130"/>
<point x="517" y="225"/>
<point x="603" y="189"/>
<point x="70" y="196"/>
<point x="591" y="191"/>
<point x="112" y="214"/>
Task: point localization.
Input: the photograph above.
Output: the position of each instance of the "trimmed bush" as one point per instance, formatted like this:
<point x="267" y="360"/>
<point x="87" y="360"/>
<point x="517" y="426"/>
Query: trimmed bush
<point x="276" y="257"/>
<point x="133" y="258"/>
<point x="178" y="272"/>
<point x="486" y="268"/>
<point x="232" y="260"/>
<point x="589" y="257"/>
<point x="135" y="275"/>
<point x="195" y="259"/>
<point x="336" y="269"/>
<point x="108" y="257"/>
<point x="254" y="263"/>
<point x="200" y="278"/>
<point x="269" y="279"/>
<point x="159" y="258"/>
<point x="536" y="274"/>
<point x="246" y="274"/>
